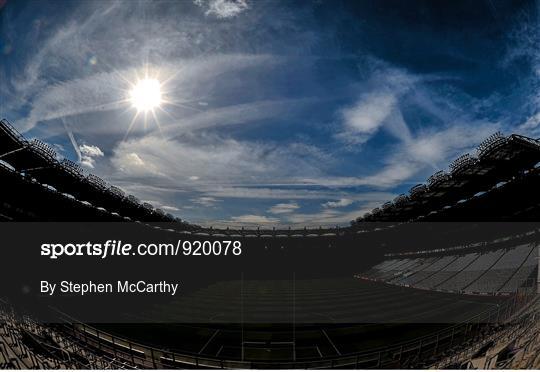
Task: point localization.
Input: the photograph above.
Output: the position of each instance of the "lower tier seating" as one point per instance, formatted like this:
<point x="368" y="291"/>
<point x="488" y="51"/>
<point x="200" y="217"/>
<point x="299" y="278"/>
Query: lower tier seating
<point x="497" y="271"/>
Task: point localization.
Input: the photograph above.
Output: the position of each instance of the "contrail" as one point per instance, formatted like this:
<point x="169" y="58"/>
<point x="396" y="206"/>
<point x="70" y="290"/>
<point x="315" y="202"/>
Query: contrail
<point x="73" y="141"/>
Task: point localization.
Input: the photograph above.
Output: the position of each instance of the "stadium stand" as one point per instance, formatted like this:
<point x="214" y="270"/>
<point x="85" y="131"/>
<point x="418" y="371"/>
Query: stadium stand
<point x="502" y="164"/>
<point x="27" y="344"/>
<point x="499" y="271"/>
<point x="404" y="276"/>
<point x="24" y="162"/>
<point x="502" y="271"/>
<point x="458" y="263"/>
<point x="439" y="265"/>
<point x="525" y="271"/>
<point x="512" y="345"/>
<point x="499" y="159"/>
<point x="499" y="328"/>
<point x="471" y="272"/>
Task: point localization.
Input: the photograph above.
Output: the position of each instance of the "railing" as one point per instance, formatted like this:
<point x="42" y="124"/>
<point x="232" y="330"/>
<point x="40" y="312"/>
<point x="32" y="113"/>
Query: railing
<point x="417" y="190"/>
<point x="43" y="149"/>
<point x="387" y="205"/>
<point x="96" y="182"/>
<point x="531" y="142"/>
<point x="11" y="131"/>
<point x="461" y="163"/>
<point x="416" y="352"/>
<point x="401" y="199"/>
<point x="437" y="177"/>
<point x="529" y="350"/>
<point x="490" y="143"/>
<point x="134" y="200"/>
<point x="116" y="191"/>
<point x="467" y="246"/>
<point x="71" y="167"/>
<point x="67" y="355"/>
<point x="512" y="331"/>
<point x="148" y="206"/>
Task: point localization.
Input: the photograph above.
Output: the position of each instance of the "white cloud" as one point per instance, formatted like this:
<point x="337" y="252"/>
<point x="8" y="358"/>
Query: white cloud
<point x="234" y="115"/>
<point x="377" y="106"/>
<point x="159" y="204"/>
<point x="339" y="203"/>
<point x="283" y="208"/>
<point x="170" y="208"/>
<point x="131" y="163"/>
<point x="226" y="168"/>
<point x="531" y="125"/>
<point x="76" y="97"/>
<point x="90" y="150"/>
<point x="364" y="118"/>
<point x="107" y="91"/>
<point x="280" y="192"/>
<point x="206" y="201"/>
<point x="74" y="76"/>
<point x="275" y="192"/>
<point x="88" y="154"/>
<point x="63" y="52"/>
<point x="223" y="8"/>
<point x="215" y="160"/>
<point x="133" y="160"/>
<point x="251" y="219"/>
<point x="59" y="147"/>
<point x="324" y="218"/>
<point x="73" y="72"/>
<point x="327" y="217"/>
<point x="429" y="150"/>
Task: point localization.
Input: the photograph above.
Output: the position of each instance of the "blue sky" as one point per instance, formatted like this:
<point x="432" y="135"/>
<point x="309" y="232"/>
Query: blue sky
<point x="277" y="112"/>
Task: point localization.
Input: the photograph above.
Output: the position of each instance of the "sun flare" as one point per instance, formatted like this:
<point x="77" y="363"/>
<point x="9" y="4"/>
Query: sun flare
<point x="146" y="95"/>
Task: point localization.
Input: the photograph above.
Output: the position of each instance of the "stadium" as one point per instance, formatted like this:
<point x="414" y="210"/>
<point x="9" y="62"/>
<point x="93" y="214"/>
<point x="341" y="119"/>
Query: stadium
<point x="462" y="303"/>
<point x="268" y="184"/>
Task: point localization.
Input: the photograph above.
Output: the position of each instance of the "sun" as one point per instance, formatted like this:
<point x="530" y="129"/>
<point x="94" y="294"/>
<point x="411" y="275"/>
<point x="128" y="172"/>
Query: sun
<point x="146" y="95"/>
